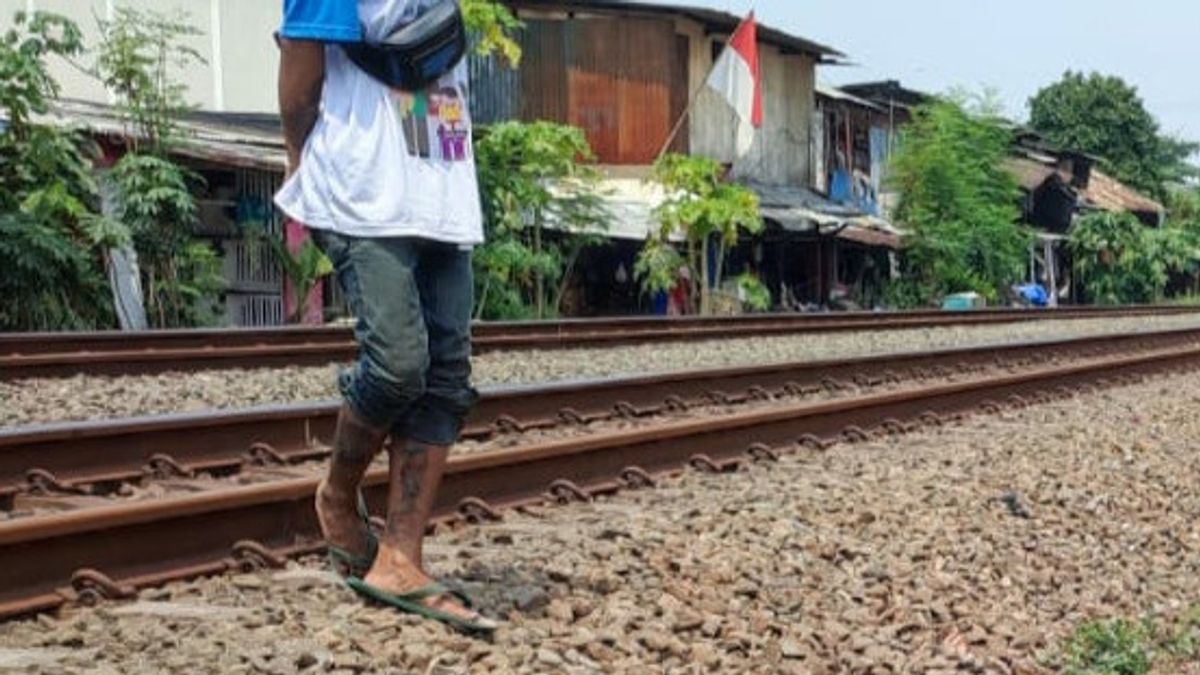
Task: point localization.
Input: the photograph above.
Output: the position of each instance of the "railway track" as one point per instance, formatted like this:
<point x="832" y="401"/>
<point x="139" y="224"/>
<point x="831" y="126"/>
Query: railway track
<point x="115" y="353"/>
<point x="243" y="481"/>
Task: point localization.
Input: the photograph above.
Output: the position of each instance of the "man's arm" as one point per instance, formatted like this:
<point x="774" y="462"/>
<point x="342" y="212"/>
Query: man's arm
<point x="301" y="76"/>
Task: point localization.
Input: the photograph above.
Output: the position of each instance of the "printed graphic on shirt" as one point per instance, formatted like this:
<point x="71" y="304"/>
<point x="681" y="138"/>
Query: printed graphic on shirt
<point x="436" y="123"/>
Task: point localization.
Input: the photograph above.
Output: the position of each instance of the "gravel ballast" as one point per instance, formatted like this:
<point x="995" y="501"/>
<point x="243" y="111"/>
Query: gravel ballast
<point x="91" y="397"/>
<point x="971" y="548"/>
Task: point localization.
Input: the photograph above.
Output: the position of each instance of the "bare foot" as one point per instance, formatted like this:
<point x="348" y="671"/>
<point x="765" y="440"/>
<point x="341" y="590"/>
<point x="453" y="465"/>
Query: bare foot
<point x="394" y="573"/>
<point x="341" y="523"/>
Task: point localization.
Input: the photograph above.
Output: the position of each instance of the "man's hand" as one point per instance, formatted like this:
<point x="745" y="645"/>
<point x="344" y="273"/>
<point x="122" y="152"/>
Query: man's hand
<point x="301" y="76"/>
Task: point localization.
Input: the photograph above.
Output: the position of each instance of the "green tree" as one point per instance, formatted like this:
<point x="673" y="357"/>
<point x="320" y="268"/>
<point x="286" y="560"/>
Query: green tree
<point x="532" y="175"/>
<point x="139" y="54"/>
<point x="1121" y="261"/>
<point x="958" y="202"/>
<point x="52" y="240"/>
<point x="705" y="209"/>
<point x="493" y="25"/>
<point x="1104" y="116"/>
<point x="302" y="269"/>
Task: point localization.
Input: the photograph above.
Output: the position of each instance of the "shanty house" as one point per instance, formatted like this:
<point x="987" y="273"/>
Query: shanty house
<point x="625" y="72"/>
<point x="1057" y="187"/>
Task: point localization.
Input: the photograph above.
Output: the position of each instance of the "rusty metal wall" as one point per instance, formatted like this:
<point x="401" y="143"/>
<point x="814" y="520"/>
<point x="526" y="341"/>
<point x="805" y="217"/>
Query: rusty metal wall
<point x="622" y="80"/>
<point x="620" y="74"/>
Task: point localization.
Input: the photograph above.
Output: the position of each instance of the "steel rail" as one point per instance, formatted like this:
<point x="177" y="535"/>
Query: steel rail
<point x="109" y="551"/>
<point x="88" y="456"/>
<point x="115" y="353"/>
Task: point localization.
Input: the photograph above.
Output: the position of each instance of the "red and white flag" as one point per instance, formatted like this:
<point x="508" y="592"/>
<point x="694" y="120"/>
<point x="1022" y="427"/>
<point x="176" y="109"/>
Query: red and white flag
<point x="736" y="77"/>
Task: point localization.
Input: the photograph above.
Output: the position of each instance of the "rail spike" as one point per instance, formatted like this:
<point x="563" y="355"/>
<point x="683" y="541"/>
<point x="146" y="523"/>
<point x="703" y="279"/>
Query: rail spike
<point x="571" y="416"/>
<point x="704" y="463"/>
<point x="565" y="491"/>
<point x="636" y="477"/>
<point x="251" y="556"/>
<point x="932" y="419"/>
<point x="990" y="407"/>
<point x="812" y="442"/>
<point x="476" y="510"/>
<point x="758" y="393"/>
<point x="265" y="454"/>
<point x="162" y="465"/>
<point x="833" y="386"/>
<point x="761" y="452"/>
<point x="864" y="380"/>
<point x="507" y="424"/>
<point x="90" y="587"/>
<point x="42" y="482"/>
<point x="625" y="410"/>
<point x="675" y="403"/>
<point x="894" y="427"/>
<point x="855" y="434"/>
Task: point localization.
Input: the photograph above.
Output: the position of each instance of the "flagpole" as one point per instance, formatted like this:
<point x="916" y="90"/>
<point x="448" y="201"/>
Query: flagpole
<point x="679" y="124"/>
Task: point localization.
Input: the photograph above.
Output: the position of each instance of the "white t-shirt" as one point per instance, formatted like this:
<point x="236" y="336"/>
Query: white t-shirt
<point x="383" y="162"/>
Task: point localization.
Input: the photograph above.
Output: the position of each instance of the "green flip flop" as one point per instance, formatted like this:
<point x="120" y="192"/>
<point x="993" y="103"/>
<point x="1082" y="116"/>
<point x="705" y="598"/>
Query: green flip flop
<point x="412" y="603"/>
<point x="346" y="563"/>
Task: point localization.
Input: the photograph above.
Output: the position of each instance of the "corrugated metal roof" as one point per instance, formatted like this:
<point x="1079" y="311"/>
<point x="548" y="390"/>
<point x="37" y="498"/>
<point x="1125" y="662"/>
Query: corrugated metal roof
<point x="1110" y="194"/>
<point x="839" y="95"/>
<point x="798" y="209"/>
<point x="1103" y="191"/>
<point x="714" y="20"/>
<point x="248" y="141"/>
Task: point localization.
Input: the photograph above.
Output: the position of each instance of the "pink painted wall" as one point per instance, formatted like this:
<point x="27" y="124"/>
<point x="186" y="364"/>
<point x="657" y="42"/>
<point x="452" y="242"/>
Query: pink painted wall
<point x="294" y="235"/>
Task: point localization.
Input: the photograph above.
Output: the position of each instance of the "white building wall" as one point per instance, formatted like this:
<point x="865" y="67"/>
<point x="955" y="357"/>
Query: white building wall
<point x="236" y="43"/>
<point x="250" y="61"/>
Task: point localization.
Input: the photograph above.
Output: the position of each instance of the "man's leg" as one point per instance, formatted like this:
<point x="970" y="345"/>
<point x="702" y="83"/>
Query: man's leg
<point x="421" y="439"/>
<point x="377" y="278"/>
<point x="355" y="445"/>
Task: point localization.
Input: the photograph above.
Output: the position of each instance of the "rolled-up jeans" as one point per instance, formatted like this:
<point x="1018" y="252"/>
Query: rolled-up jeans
<point x="412" y="302"/>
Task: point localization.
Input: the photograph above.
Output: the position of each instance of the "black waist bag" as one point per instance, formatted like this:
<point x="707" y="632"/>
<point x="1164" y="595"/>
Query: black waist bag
<point x="415" y="55"/>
